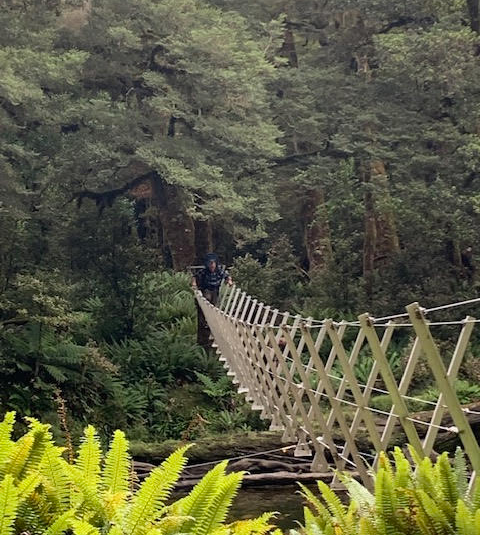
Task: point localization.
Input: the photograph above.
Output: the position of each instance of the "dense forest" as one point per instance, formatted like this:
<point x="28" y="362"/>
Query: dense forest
<point x="327" y="151"/>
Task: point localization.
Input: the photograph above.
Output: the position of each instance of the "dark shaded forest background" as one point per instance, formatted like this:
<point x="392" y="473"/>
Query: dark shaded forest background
<point x="328" y="151"/>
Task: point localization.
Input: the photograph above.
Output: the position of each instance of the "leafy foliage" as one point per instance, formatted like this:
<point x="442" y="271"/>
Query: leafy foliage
<point x="41" y="492"/>
<point x="431" y="498"/>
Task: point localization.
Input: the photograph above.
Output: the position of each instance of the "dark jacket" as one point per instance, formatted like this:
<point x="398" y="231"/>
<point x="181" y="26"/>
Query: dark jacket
<point x="211" y="280"/>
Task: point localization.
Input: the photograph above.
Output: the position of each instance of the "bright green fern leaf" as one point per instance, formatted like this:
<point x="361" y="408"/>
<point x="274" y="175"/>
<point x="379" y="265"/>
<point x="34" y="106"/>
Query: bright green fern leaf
<point x="80" y="527"/>
<point x="218" y="507"/>
<point x="89" y="455"/>
<point x="151" y="497"/>
<point x="19" y="455"/>
<point x="116" y="472"/>
<point x="197" y="501"/>
<point x="8" y="505"/>
<point x="6" y="444"/>
<point x="61" y="524"/>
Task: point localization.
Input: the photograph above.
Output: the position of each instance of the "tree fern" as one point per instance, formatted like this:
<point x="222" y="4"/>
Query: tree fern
<point x="219" y="505"/>
<point x="116" y="472"/>
<point x="151" y="497"/>
<point x="8" y="505"/>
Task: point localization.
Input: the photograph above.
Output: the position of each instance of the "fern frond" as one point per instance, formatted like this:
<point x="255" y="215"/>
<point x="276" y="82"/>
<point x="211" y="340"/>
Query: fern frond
<point x="153" y="493"/>
<point x="28" y="485"/>
<point x="475" y="495"/>
<point x="446" y="478"/>
<point x="477" y="521"/>
<point x="321" y="510"/>
<point x="115" y="530"/>
<point x="217" y="510"/>
<point x="88" y="498"/>
<point x="8" y="505"/>
<point x="116" y="472"/>
<point x="385" y="503"/>
<point x="334" y="504"/>
<point x="358" y="493"/>
<point x="81" y="527"/>
<point x="89" y="455"/>
<point x="437" y="517"/>
<point x="403" y="471"/>
<point x="259" y="526"/>
<point x="41" y="438"/>
<point x="19" y="455"/>
<point x="313" y="525"/>
<point x="425" y="475"/>
<point x="366" y="527"/>
<point x="464" y="521"/>
<point x="61" y="523"/>
<point x="6" y="444"/>
<point x="461" y="473"/>
<point x="172" y="524"/>
<point x="195" y="503"/>
<point x="56" y="481"/>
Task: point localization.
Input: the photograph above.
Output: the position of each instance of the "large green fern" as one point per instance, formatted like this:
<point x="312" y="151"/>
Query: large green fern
<point x="40" y="492"/>
<point x="9" y="502"/>
<point x="431" y="500"/>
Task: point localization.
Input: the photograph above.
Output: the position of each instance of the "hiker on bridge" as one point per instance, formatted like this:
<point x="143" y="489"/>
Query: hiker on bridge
<point x="209" y="279"/>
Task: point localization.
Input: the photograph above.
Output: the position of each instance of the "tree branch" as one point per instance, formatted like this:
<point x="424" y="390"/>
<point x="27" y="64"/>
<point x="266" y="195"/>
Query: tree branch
<point x="107" y="198"/>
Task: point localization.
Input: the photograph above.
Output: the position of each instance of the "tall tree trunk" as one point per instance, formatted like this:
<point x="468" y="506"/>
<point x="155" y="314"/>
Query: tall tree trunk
<point x="203" y="238"/>
<point x="387" y="243"/>
<point x="317" y="238"/>
<point x="381" y="239"/>
<point x="370" y="238"/>
<point x="178" y="226"/>
<point x="289" y="49"/>
<point x="474" y="14"/>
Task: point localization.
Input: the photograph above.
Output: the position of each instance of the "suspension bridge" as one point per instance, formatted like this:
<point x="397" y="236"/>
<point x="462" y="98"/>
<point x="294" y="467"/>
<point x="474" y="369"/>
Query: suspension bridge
<point x="302" y="375"/>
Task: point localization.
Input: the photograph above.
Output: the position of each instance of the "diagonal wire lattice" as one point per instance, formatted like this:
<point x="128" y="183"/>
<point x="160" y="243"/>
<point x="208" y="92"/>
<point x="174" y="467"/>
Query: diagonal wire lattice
<point x="301" y="374"/>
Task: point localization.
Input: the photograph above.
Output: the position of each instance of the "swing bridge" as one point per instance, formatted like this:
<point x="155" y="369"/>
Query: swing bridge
<point x="302" y="375"/>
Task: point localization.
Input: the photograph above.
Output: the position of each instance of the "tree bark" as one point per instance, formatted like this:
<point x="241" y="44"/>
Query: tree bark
<point x="203" y="238"/>
<point x="387" y="243"/>
<point x="288" y="49"/>
<point x="474" y="14"/>
<point x="317" y="238"/>
<point x="178" y="226"/>
<point x="370" y="238"/>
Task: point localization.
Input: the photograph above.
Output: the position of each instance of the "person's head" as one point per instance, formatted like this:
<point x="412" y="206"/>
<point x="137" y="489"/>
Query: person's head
<point x="211" y="261"/>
